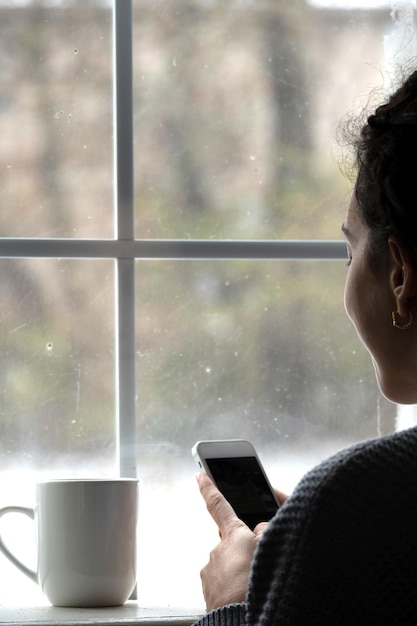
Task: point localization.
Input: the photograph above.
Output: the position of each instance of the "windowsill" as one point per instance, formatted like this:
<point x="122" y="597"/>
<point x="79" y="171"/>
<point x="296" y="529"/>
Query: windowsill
<point x="130" y="613"/>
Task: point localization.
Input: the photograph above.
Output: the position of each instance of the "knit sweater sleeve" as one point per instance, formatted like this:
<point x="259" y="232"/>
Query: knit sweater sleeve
<point x="230" y="615"/>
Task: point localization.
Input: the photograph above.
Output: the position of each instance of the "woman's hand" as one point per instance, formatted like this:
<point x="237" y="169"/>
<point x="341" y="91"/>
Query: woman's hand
<point x="225" y="577"/>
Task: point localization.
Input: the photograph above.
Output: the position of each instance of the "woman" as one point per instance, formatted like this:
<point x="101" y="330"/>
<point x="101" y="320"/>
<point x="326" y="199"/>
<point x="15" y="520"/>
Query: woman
<point x="343" y="548"/>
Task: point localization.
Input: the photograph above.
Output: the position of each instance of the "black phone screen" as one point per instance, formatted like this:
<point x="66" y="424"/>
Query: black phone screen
<point x="243" y="484"/>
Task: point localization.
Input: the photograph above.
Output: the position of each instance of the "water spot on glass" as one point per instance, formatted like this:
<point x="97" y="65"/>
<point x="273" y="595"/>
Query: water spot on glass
<point x="75" y="50"/>
<point x="49" y="347"/>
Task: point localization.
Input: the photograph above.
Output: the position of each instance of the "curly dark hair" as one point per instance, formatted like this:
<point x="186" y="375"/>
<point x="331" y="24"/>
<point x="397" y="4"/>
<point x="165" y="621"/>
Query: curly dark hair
<point x="386" y="166"/>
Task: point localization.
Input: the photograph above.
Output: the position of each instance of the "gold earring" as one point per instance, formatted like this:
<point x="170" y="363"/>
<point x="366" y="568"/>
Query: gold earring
<point x="401" y="326"/>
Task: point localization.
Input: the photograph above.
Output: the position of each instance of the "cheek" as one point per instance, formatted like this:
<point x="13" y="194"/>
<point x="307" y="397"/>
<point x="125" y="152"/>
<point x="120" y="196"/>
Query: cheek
<point x="357" y="302"/>
<point x="363" y="305"/>
<point x="350" y="296"/>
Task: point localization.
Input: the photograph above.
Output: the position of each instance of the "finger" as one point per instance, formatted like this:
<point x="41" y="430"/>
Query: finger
<point x="280" y="495"/>
<point x="219" y="508"/>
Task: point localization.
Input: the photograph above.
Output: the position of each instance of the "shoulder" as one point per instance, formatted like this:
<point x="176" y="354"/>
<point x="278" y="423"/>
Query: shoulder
<point x="375" y="463"/>
<point x="365" y="479"/>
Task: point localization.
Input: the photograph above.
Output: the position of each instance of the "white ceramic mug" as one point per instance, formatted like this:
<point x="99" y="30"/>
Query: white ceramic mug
<point x="86" y="539"/>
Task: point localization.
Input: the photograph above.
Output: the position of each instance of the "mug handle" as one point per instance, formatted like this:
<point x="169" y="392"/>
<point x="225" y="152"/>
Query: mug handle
<point x="3" y="548"/>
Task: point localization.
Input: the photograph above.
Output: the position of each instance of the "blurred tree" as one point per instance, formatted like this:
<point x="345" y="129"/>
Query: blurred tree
<point x="230" y="102"/>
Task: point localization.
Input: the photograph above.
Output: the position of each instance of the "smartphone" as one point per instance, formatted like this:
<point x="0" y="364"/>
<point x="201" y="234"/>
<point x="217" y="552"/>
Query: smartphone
<point x="235" y="468"/>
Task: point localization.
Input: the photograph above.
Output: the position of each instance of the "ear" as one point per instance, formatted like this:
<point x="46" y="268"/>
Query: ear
<point x="403" y="277"/>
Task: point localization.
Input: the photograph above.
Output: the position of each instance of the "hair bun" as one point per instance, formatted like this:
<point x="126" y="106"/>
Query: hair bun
<point x="378" y="120"/>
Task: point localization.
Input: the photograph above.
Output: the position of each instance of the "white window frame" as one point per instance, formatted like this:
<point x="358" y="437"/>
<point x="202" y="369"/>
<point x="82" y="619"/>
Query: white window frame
<point x="125" y="249"/>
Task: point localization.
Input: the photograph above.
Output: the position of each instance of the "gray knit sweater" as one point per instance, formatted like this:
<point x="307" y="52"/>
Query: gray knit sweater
<point x="343" y="548"/>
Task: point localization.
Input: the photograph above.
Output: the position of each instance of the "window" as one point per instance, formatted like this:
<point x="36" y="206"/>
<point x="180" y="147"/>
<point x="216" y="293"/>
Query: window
<point x="171" y="267"/>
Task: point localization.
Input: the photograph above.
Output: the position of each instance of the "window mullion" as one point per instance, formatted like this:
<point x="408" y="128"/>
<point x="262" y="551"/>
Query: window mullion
<point x="124" y="226"/>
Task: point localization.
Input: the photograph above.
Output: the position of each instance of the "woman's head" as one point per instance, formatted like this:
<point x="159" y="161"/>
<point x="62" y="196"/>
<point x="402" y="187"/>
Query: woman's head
<point x="381" y="231"/>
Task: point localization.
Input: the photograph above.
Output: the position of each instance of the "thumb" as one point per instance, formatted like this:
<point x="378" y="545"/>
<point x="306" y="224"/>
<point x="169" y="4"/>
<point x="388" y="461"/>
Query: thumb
<point x="219" y="508"/>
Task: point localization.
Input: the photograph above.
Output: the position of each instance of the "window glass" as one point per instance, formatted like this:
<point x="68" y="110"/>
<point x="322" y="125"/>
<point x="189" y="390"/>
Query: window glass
<point x="235" y="109"/>
<point x="257" y="350"/>
<point x="263" y="348"/>
<point x="57" y="372"/>
<point x="56" y="152"/>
